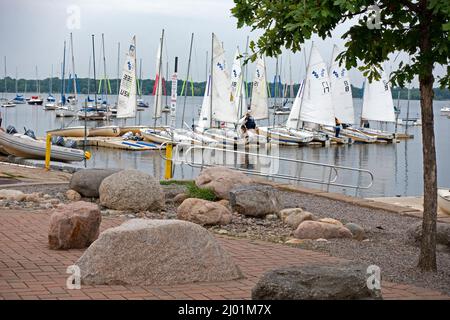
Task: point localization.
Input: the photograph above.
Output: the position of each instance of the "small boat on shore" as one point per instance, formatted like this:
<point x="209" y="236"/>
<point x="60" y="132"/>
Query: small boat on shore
<point x="76" y="131"/>
<point x="105" y="131"/>
<point x="444" y="200"/>
<point x="21" y="145"/>
<point x="286" y="136"/>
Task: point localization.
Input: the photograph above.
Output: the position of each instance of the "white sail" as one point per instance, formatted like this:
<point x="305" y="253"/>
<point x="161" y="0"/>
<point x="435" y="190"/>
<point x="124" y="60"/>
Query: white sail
<point x="294" y="115"/>
<point x="157" y="102"/>
<point x="236" y="79"/>
<point x="204" y="120"/>
<point x="341" y="91"/>
<point x="126" y="102"/>
<point x="377" y="103"/>
<point x="223" y="107"/>
<point x="260" y="104"/>
<point x="317" y="105"/>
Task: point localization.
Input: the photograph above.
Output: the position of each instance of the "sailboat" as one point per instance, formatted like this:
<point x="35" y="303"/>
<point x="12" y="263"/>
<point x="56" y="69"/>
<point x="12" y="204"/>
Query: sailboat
<point x="51" y="101"/>
<point x="63" y="110"/>
<point x="127" y="98"/>
<point x="19" y="98"/>
<point x="219" y="112"/>
<point x="377" y="106"/>
<point x="168" y="134"/>
<point x="36" y="100"/>
<point x="341" y="93"/>
<point x="7" y="104"/>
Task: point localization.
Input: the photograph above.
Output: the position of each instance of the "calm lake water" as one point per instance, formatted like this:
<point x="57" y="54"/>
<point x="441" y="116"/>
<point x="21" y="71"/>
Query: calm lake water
<point x="397" y="168"/>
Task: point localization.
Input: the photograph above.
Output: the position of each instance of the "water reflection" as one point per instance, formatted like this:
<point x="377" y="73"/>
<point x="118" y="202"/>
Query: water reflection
<point x="397" y="167"/>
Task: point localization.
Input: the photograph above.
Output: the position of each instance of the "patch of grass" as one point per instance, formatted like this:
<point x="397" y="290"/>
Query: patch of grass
<point x="176" y="182"/>
<point x="201" y="193"/>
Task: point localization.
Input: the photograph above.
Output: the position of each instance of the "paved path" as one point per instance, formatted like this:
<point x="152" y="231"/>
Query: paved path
<point x="29" y="270"/>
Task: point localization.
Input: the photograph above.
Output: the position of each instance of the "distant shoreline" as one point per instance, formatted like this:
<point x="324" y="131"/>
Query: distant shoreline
<point x="194" y="89"/>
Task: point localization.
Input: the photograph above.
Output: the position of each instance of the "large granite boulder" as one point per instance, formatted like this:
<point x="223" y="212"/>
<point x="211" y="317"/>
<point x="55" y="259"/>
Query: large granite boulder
<point x="203" y="212"/>
<point x="221" y="180"/>
<point x="414" y="234"/>
<point x="316" y="282"/>
<point x="131" y="190"/>
<point x="357" y="231"/>
<point x="321" y="230"/>
<point x="255" y="200"/>
<point x="74" y="226"/>
<point x="156" y="252"/>
<point x="87" y="181"/>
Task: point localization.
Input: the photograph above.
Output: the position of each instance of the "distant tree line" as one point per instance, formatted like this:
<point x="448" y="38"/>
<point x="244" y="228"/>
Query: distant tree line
<point x="193" y="88"/>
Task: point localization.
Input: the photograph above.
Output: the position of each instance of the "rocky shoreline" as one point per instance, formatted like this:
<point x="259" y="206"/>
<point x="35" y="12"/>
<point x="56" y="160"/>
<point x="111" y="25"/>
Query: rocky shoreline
<point x="386" y="242"/>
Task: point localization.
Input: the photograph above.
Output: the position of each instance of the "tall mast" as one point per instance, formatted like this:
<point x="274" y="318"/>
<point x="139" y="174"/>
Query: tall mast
<point x="63" y="87"/>
<point x="140" y="78"/>
<point x="5" y="77"/>
<point x="93" y="62"/>
<point x="304" y="86"/>
<point x="159" y="82"/>
<point x="118" y="69"/>
<point x="16" y="82"/>
<point x="89" y="76"/>
<point x="165" y="82"/>
<point x="74" y="80"/>
<point x="37" y="82"/>
<point x="246" y="92"/>
<point x="206" y="68"/>
<point x="211" y="84"/>
<point x="291" y="84"/>
<point x="187" y="78"/>
<point x="51" y="81"/>
<point x="105" y="84"/>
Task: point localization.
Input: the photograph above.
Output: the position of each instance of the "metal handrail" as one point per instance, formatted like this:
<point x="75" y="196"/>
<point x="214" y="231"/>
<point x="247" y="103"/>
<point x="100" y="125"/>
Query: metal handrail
<point x="331" y="181"/>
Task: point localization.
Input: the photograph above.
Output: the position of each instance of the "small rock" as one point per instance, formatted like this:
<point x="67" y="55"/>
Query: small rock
<point x="12" y="195"/>
<point x="357" y="231"/>
<point x="316" y="229"/>
<point x="295" y="241"/>
<point x="222" y="231"/>
<point x="72" y="195"/>
<point x="294" y="219"/>
<point x="179" y="198"/>
<point x="54" y="201"/>
<point x="272" y="217"/>
<point x="32" y="197"/>
<point x="46" y="205"/>
<point x="47" y="196"/>
<point x="283" y="214"/>
<point x="131" y="216"/>
<point x="321" y="240"/>
<point x="255" y="200"/>
<point x="331" y="221"/>
<point x="203" y="212"/>
<point x="221" y="180"/>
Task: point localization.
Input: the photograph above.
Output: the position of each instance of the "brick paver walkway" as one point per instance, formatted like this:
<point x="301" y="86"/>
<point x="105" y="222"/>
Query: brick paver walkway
<point x="29" y="270"/>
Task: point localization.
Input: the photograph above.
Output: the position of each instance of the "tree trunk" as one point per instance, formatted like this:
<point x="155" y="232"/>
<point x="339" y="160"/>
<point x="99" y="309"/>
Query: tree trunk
<point x="427" y="258"/>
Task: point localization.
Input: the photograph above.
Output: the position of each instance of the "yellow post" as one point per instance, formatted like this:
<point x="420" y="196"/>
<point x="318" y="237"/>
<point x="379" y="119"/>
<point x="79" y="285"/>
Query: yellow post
<point x="47" y="151"/>
<point x="168" y="171"/>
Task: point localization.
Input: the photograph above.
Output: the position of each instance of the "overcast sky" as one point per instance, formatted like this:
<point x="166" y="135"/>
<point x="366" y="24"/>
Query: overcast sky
<point x="32" y="33"/>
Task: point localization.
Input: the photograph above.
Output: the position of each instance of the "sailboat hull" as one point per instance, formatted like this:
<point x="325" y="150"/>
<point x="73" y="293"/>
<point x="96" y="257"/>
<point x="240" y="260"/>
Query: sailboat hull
<point x="69" y="132"/>
<point x="26" y="147"/>
<point x="106" y="131"/>
<point x="285" y="137"/>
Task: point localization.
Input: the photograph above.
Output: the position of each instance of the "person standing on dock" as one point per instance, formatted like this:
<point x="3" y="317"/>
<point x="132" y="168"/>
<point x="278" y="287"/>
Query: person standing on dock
<point x="337" y="128"/>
